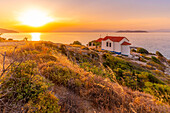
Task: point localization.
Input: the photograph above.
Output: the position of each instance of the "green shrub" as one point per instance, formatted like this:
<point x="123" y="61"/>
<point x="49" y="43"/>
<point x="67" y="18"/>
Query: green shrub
<point x="84" y="48"/>
<point x="146" y="57"/>
<point x="168" y="62"/>
<point x="63" y="49"/>
<point x="116" y="62"/>
<point x="162" y="92"/>
<point x="155" y="60"/>
<point x="158" y="66"/>
<point x="119" y="72"/>
<point x="159" y="54"/>
<point x="58" y="74"/>
<point x="2" y="39"/>
<point x="94" y="69"/>
<point x="77" y="43"/>
<point x="45" y="103"/>
<point x="10" y="39"/>
<point x="133" y="50"/>
<point x="142" y="59"/>
<point x="142" y="51"/>
<point x="27" y="89"/>
<point x="45" y="57"/>
<point x="153" y="79"/>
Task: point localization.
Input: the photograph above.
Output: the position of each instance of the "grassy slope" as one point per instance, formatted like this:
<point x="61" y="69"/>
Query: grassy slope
<point x="48" y="77"/>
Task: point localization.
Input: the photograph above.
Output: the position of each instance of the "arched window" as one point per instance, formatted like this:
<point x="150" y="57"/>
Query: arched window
<point x="110" y="44"/>
<point x="107" y="44"/>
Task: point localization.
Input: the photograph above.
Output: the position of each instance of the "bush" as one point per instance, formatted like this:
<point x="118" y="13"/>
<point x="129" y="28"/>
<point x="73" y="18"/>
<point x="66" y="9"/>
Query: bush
<point x="142" y="60"/>
<point x="45" y="103"/>
<point x="142" y="51"/>
<point x="84" y="48"/>
<point x="156" y="60"/>
<point x="158" y="73"/>
<point x="158" y="90"/>
<point x="94" y="69"/>
<point x="10" y="39"/>
<point x="45" y="58"/>
<point x="63" y="49"/>
<point x="28" y="90"/>
<point x="168" y="62"/>
<point x="158" y="66"/>
<point x="77" y="43"/>
<point x="2" y="39"/>
<point x="145" y="57"/>
<point x="133" y="50"/>
<point x="153" y="79"/>
<point x="159" y="54"/>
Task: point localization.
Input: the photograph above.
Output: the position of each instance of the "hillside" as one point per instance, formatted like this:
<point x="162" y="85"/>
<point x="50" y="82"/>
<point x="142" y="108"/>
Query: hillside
<point x="48" y="77"/>
<point x="7" y="31"/>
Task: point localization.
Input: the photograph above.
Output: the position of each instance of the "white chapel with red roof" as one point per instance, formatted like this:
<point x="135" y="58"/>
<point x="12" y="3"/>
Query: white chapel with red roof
<point x="116" y="44"/>
<point x="119" y="45"/>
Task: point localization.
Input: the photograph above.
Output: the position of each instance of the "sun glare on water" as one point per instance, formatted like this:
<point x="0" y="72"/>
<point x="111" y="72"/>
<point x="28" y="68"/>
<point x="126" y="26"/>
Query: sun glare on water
<point x="34" y="18"/>
<point x="35" y="36"/>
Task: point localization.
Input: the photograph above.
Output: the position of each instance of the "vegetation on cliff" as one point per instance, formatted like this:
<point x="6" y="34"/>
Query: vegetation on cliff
<point x="48" y="77"/>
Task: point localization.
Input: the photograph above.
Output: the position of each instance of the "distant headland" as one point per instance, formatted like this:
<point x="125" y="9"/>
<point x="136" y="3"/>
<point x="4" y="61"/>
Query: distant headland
<point x="132" y="31"/>
<point x="7" y="31"/>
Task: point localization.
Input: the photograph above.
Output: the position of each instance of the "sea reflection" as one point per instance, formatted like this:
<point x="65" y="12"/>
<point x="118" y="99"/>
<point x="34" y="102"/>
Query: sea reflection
<point x="35" y="36"/>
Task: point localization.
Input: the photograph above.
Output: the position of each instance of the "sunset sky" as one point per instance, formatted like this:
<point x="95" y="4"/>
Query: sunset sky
<point x="88" y="15"/>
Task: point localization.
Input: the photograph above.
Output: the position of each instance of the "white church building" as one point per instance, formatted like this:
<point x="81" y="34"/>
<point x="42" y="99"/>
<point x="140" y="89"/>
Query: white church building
<point x="119" y="45"/>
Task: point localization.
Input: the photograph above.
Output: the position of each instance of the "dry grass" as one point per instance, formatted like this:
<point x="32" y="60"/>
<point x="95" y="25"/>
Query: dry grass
<point x="6" y="47"/>
<point x="86" y="92"/>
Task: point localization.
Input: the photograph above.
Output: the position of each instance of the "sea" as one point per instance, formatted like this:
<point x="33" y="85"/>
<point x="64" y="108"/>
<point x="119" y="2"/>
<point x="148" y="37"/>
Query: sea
<point x="152" y="41"/>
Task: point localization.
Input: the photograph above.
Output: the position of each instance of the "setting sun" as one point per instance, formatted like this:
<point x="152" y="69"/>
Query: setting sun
<point x="35" y="18"/>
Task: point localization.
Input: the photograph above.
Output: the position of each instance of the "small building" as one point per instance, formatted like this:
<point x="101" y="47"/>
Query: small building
<point x="96" y="44"/>
<point x="118" y="45"/>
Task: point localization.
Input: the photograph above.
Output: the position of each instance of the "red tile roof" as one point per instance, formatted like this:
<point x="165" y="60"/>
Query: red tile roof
<point x="126" y="43"/>
<point x="99" y="40"/>
<point x="114" y="38"/>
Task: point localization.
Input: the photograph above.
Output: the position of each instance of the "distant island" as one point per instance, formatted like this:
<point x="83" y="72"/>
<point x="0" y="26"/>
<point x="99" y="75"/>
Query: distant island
<point x="7" y="31"/>
<point x="130" y="31"/>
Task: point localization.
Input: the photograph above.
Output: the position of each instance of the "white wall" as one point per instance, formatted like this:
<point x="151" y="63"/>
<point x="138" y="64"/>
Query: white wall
<point x="117" y="47"/>
<point x="123" y="40"/>
<point x="125" y="49"/>
<point x="107" y="48"/>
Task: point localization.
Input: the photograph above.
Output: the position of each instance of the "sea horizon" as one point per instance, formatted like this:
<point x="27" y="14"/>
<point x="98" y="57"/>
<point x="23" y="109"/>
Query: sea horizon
<point x="152" y="41"/>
